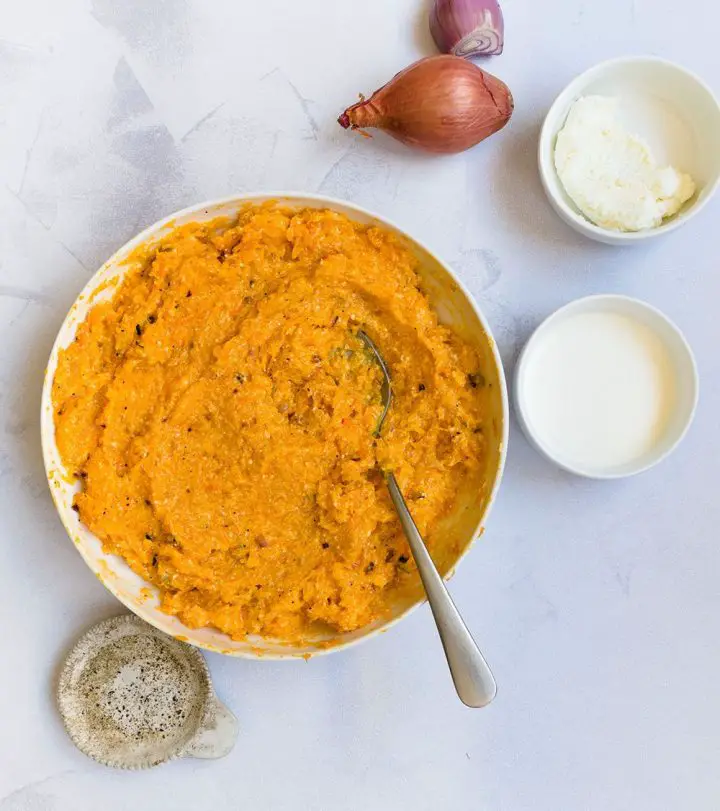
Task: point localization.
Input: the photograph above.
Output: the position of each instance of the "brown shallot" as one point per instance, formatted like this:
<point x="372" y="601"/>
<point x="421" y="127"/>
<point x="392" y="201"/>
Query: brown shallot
<point x="442" y="104"/>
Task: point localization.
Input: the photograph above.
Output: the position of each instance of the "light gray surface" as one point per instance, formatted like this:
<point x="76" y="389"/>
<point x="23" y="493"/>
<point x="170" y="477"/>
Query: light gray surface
<point x="597" y="604"/>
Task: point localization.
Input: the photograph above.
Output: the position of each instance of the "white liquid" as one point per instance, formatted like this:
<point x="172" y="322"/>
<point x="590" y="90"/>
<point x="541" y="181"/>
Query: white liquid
<point x="599" y="389"/>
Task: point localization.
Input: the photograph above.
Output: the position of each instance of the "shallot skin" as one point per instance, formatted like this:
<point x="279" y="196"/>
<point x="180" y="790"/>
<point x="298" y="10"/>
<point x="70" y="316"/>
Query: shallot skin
<point x="441" y="104"/>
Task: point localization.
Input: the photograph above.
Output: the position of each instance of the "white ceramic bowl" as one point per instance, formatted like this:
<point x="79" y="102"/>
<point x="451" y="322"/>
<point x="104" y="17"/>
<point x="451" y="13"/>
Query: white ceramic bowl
<point x="671" y="108"/>
<point x="454" y="306"/>
<point x="682" y="363"/>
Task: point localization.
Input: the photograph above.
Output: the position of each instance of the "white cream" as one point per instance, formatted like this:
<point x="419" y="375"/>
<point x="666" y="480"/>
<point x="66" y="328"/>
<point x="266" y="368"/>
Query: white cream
<point x="598" y="390"/>
<point x="610" y="174"/>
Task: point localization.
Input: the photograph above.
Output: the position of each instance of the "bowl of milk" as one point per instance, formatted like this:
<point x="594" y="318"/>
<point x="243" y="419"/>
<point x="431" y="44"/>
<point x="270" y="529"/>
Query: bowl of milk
<point x="606" y="387"/>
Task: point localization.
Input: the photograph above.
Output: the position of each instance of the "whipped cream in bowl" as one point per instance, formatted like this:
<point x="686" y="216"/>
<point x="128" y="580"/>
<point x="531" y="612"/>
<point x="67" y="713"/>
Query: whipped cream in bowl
<point x="631" y="150"/>
<point x="611" y="174"/>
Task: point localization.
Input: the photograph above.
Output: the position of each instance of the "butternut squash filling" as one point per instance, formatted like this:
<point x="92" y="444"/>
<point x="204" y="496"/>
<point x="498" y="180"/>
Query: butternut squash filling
<point x="219" y="410"/>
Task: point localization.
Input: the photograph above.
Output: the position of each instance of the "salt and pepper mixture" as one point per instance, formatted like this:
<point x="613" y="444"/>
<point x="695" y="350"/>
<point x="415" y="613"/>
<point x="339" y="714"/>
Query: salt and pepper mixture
<point x="132" y="697"/>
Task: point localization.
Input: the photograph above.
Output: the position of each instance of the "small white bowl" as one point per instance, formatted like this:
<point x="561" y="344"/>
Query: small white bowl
<point x="668" y="106"/>
<point x="677" y="356"/>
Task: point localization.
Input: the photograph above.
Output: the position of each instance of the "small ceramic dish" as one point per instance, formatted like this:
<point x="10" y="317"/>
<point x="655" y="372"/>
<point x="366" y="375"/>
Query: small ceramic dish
<point x="669" y="107"/>
<point x="611" y="398"/>
<point x="132" y="697"/>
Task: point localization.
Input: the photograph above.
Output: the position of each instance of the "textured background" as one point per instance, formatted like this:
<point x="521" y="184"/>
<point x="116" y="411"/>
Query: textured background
<point x="597" y="604"/>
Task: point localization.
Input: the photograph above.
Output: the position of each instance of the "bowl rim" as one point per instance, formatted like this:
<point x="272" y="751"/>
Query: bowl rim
<point x="521" y="366"/>
<point x="47" y="425"/>
<point x="547" y="168"/>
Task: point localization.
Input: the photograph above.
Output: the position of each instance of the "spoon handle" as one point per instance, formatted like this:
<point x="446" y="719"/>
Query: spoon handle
<point x="473" y="680"/>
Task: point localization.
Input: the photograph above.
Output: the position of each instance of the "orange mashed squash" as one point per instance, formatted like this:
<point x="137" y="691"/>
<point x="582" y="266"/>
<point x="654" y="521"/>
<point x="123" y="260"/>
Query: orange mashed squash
<point x="219" y="410"/>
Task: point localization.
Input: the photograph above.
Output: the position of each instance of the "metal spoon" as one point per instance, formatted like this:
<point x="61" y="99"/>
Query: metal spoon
<point x="471" y="675"/>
